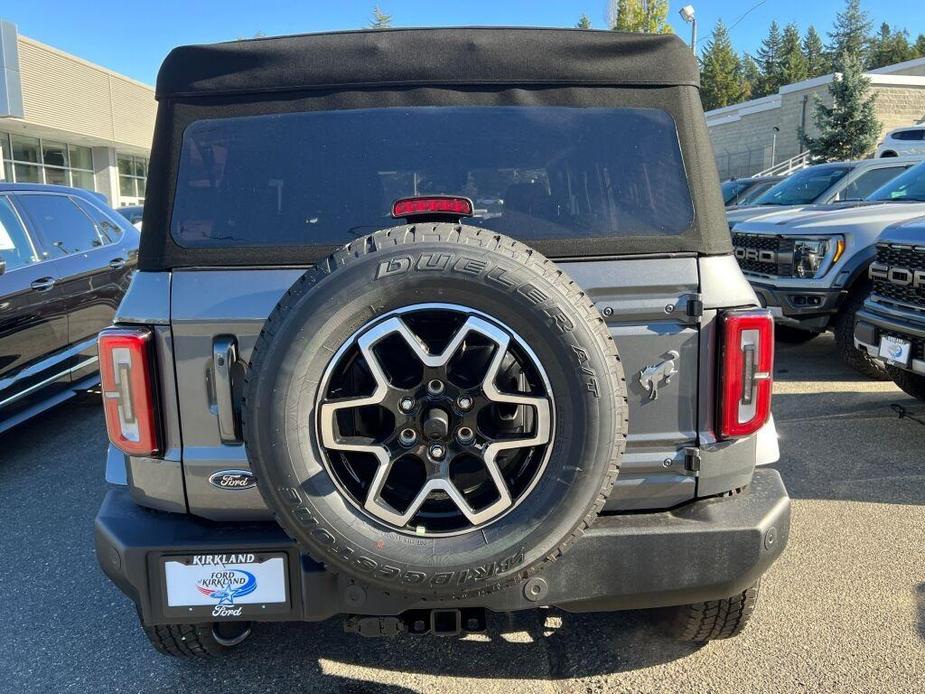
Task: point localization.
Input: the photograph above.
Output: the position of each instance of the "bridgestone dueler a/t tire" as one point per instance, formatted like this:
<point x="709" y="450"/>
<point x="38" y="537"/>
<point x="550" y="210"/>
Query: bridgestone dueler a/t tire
<point x="451" y="264"/>
<point x="191" y="640"/>
<point x="716" y="619"/>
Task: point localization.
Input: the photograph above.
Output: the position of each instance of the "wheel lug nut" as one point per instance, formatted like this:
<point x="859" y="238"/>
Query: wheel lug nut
<point x="435" y="386"/>
<point x="437" y="451"/>
<point x="465" y="435"/>
<point x="406" y="404"/>
<point x="464" y="402"/>
<point x="407" y="437"/>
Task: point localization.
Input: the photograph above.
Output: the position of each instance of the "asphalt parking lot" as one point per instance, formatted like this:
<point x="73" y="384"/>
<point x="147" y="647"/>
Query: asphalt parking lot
<point x="843" y="610"/>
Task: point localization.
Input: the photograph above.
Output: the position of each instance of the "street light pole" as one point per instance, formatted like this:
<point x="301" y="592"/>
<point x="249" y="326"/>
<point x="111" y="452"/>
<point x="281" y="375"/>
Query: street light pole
<point x="774" y="132"/>
<point x="688" y="15"/>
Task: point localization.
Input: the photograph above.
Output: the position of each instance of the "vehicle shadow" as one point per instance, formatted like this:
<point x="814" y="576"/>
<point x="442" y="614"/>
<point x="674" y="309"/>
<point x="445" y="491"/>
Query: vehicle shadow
<point x="841" y="434"/>
<point x="530" y="645"/>
<point x="817" y="360"/>
<point x="920" y="609"/>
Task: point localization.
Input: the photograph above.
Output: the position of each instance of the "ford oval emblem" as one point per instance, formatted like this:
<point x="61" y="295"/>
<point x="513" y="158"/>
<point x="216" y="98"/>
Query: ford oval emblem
<point x="233" y="479"/>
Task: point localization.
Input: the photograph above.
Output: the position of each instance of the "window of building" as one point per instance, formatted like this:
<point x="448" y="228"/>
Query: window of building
<point x="36" y="160"/>
<point x="133" y="174"/>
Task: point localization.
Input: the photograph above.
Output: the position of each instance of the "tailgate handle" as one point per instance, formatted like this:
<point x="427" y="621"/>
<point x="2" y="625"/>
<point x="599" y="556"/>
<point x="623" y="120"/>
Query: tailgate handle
<point x="224" y="356"/>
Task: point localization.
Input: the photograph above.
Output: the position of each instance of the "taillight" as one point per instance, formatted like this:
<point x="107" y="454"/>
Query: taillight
<point x="428" y="205"/>
<point x="128" y="390"/>
<point x="747" y="369"/>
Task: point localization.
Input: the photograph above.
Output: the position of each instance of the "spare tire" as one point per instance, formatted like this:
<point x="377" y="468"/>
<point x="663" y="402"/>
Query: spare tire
<point x="435" y="410"/>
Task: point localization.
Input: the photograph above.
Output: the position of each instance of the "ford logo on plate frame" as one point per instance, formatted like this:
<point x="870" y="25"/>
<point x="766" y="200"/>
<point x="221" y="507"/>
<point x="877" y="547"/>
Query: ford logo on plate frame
<point x="235" y="480"/>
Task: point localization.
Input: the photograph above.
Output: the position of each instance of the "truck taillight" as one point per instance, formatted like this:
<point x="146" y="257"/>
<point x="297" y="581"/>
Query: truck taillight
<point x="128" y="390"/>
<point x="747" y="368"/>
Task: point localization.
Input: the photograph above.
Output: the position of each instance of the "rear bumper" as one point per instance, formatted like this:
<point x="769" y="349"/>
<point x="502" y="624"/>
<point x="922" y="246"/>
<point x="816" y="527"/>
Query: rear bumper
<point x="873" y="320"/>
<point x="809" y="309"/>
<point x="704" y="550"/>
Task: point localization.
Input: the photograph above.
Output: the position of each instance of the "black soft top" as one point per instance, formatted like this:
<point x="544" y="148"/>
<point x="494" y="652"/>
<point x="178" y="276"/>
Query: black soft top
<point x="420" y="57"/>
<point x="429" y="67"/>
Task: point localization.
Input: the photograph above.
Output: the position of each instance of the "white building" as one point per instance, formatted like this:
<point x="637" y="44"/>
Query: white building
<point x="64" y="120"/>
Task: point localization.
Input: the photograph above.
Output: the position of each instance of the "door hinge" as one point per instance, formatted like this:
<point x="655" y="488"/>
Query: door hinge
<point x="692" y="459"/>
<point x="695" y="306"/>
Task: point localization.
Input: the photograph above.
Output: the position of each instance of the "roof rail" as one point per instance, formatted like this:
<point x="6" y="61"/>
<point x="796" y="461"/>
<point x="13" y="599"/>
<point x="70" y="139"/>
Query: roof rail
<point x="785" y="168"/>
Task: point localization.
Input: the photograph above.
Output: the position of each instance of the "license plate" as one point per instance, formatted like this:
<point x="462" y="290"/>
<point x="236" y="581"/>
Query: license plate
<point x="225" y="582"/>
<point x="894" y="350"/>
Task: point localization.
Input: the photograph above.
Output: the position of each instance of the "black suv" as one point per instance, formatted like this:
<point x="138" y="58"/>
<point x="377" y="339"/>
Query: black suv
<point x="408" y="301"/>
<point x="65" y="263"/>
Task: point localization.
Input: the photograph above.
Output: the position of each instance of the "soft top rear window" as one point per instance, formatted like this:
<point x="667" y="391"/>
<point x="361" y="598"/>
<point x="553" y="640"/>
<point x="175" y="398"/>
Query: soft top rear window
<point x="327" y="177"/>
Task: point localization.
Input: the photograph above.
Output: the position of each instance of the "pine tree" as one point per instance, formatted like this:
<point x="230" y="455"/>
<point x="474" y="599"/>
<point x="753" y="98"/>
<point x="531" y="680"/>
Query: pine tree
<point x="769" y="61"/>
<point x="849" y="34"/>
<point x="751" y="76"/>
<point x="848" y="129"/>
<point x="380" y="20"/>
<point x="919" y="46"/>
<point x="817" y="63"/>
<point x="888" y="47"/>
<point x="721" y="73"/>
<point x="584" y="22"/>
<point x="648" y="16"/>
<point x="793" y="62"/>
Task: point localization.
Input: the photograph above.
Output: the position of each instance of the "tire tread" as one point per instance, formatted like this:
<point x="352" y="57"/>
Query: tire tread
<point x="518" y="252"/>
<point x="715" y="619"/>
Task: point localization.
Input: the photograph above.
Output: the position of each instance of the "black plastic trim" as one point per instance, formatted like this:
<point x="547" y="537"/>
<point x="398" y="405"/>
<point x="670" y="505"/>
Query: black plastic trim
<point x="704" y="550"/>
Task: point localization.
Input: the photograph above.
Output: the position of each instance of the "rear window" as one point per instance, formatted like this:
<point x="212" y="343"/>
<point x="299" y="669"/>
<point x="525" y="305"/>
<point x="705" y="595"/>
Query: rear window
<point x="326" y="178"/>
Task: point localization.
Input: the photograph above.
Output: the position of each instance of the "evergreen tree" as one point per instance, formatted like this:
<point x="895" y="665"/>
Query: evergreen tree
<point x="919" y="46"/>
<point x="380" y="20"/>
<point x="751" y="76"/>
<point x="848" y="129"/>
<point x="584" y="22"/>
<point x="769" y="61"/>
<point x="793" y="62"/>
<point x="888" y="47"/>
<point x="817" y="63"/>
<point x="849" y="35"/>
<point x="721" y="73"/>
<point x="648" y="16"/>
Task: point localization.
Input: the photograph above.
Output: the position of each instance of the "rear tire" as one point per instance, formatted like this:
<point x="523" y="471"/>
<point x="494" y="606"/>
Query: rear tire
<point x="793" y="336"/>
<point x="857" y="359"/>
<point x="715" y="619"/>
<point x="197" y="640"/>
<point x="911" y="383"/>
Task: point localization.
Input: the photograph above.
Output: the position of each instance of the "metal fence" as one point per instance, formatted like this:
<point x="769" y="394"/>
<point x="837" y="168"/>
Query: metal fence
<point x="743" y="163"/>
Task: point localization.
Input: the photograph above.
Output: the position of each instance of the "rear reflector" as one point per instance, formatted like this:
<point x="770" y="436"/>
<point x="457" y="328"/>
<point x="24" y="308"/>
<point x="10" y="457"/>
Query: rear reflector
<point x="128" y="390"/>
<point x="432" y="205"/>
<point x="747" y="369"/>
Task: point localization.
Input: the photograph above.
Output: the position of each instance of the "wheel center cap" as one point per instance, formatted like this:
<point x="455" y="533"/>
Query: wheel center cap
<point x="437" y="424"/>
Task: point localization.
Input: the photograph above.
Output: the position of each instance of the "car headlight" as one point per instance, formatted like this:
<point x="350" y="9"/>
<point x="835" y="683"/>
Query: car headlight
<point x="813" y="256"/>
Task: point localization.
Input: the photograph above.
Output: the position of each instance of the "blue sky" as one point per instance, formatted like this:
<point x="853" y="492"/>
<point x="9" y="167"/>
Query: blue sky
<point x="133" y="38"/>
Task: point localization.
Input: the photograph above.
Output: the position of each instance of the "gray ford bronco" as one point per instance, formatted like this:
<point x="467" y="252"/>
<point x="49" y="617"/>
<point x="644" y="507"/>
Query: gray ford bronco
<point x="430" y="323"/>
